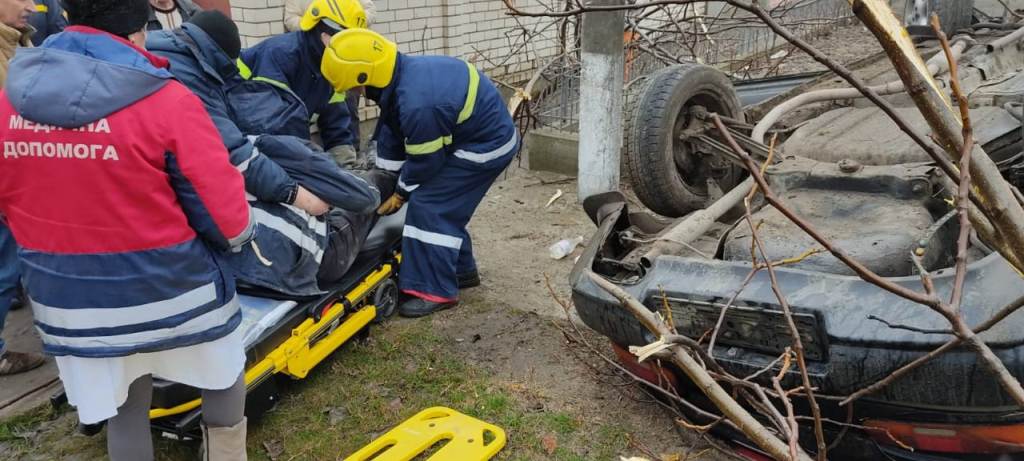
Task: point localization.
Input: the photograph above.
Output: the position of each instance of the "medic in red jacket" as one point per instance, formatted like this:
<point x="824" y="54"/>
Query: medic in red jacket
<point x="118" y="188"/>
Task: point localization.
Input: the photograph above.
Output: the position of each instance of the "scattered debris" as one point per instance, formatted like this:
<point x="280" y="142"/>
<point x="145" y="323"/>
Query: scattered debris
<point x="565" y="247"/>
<point x="558" y="195"/>
<point x="550" y="444"/>
<point x="274" y="449"/>
<point x="336" y="415"/>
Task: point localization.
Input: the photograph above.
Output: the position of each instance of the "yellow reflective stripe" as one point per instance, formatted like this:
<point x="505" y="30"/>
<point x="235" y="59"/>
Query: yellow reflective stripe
<point x="246" y="73"/>
<point x="42" y="8"/>
<point x="243" y="69"/>
<point x="338" y="97"/>
<point x="474" y="85"/>
<point x="428" y="147"/>
<point x="276" y="83"/>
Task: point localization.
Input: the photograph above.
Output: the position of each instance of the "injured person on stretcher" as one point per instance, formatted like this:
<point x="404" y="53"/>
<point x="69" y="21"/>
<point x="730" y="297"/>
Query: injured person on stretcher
<point x="307" y="284"/>
<point x="310" y="279"/>
<point x="295" y="253"/>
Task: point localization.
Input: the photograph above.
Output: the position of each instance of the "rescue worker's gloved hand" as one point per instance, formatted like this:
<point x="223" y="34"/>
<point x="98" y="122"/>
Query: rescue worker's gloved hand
<point x="345" y="156"/>
<point x="391" y="205"/>
<point x="312" y="204"/>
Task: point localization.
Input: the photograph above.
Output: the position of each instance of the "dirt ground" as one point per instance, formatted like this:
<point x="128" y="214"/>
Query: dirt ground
<point x="511" y="232"/>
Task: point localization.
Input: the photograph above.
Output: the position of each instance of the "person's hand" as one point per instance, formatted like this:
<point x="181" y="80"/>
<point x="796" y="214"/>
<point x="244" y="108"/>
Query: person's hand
<point x="310" y="203"/>
<point x="391" y="205"/>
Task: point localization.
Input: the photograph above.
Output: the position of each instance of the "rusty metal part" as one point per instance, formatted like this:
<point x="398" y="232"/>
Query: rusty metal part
<point x="1013" y="38"/>
<point x="678" y="237"/>
<point x="866" y="135"/>
<point x="855" y="210"/>
<point x="936" y="65"/>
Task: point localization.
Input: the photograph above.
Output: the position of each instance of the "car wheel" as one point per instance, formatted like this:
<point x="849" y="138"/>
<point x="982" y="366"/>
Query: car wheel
<point x="669" y="175"/>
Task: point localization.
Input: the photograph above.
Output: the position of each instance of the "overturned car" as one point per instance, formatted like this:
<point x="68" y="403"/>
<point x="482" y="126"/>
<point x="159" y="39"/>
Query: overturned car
<point x="844" y="166"/>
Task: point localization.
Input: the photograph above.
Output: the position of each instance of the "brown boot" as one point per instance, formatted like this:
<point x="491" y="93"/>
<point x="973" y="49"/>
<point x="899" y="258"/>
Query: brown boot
<point x="12" y="363"/>
<point x="224" y="443"/>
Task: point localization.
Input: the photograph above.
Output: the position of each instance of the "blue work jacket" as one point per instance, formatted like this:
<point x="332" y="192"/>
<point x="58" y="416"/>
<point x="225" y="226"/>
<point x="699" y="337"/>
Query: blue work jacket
<point x="292" y="61"/>
<point x="439" y="109"/>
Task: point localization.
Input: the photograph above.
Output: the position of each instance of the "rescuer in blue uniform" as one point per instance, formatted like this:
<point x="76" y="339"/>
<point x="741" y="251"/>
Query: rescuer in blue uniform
<point x="292" y="61"/>
<point x="48" y="20"/>
<point x="445" y="128"/>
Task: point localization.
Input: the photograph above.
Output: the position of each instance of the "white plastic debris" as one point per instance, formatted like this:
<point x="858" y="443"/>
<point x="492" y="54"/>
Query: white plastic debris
<point x="563" y="248"/>
<point x="558" y="194"/>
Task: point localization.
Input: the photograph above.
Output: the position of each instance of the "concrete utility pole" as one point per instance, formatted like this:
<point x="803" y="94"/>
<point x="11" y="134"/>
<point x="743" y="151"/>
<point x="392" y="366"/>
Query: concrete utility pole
<point x="601" y="100"/>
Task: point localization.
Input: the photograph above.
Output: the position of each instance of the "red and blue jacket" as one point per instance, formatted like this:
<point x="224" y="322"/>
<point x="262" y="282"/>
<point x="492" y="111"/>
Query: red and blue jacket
<point x="439" y="109"/>
<point x="120" y="194"/>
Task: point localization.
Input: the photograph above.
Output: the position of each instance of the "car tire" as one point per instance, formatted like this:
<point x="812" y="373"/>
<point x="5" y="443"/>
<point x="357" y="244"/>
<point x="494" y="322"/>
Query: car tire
<point x="666" y="175"/>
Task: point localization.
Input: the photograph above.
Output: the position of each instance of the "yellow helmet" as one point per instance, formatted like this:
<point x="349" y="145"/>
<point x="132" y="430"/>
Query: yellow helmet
<point x="337" y="14"/>
<point x="359" y="57"/>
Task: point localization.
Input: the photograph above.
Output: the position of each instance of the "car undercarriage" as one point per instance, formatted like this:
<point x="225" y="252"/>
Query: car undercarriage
<point x="844" y="166"/>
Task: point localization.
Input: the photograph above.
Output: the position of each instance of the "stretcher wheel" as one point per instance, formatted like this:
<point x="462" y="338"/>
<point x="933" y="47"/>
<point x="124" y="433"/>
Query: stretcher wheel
<point x="386" y="300"/>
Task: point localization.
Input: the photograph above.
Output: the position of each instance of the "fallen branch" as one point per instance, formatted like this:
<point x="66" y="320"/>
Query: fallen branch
<point x="997" y="201"/>
<point x="794" y="332"/>
<point x="746" y="422"/>
<point x="902" y="371"/>
<point x="970" y="338"/>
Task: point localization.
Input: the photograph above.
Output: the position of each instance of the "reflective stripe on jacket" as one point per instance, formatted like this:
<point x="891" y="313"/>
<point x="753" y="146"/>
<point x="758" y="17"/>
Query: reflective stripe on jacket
<point x="438" y="109"/>
<point x="290" y="243"/>
<point x="120" y="210"/>
<point x="292" y="60"/>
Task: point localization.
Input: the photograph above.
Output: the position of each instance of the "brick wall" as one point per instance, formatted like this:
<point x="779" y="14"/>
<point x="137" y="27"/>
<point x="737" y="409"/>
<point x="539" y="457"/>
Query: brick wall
<point x="476" y="30"/>
<point x="257" y="19"/>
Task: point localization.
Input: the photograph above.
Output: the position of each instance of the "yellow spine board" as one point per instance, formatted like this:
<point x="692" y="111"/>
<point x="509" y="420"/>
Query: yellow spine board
<point x="463" y="439"/>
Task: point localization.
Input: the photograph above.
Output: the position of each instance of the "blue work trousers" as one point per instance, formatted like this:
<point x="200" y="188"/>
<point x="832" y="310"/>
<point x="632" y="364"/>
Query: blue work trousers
<point x="435" y="243"/>
<point x="9" y="275"/>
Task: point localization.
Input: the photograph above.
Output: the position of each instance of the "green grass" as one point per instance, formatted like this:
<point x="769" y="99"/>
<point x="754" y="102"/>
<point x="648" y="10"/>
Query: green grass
<point x="367" y="388"/>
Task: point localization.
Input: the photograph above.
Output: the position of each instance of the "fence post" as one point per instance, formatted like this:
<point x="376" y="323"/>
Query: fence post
<point x="601" y="82"/>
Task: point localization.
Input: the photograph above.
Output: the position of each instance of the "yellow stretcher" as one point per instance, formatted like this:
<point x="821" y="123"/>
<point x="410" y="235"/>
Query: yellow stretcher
<point x="306" y="335"/>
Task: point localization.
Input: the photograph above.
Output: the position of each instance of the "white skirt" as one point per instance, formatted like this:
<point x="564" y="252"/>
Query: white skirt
<point x="98" y="386"/>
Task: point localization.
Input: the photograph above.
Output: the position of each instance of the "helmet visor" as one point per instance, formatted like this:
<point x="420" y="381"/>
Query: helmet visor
<point x="330" y="24"/>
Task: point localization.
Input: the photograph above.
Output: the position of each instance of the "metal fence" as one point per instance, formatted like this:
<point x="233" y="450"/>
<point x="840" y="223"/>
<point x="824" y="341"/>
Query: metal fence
<point x="711" y="33"/>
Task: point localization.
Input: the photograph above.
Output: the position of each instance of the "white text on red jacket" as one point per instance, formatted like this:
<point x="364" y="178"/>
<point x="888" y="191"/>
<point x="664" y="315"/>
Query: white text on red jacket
<point x="18" y="149"/>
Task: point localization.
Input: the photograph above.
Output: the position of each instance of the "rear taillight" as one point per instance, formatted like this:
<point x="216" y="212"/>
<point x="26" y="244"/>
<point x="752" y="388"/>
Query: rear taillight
<point x="751" y="454"/>
<point x="648" y="371"/>
<point x="943" y="438"/>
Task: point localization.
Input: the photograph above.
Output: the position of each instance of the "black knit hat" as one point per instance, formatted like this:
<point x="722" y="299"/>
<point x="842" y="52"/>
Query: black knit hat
<point x="221" y="29"/>
<point x="119" y="17"/>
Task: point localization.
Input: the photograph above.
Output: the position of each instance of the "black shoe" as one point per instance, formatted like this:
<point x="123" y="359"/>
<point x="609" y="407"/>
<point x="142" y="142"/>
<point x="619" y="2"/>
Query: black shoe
<point x="419" y="307"/>
<point x="469" y="279"/>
